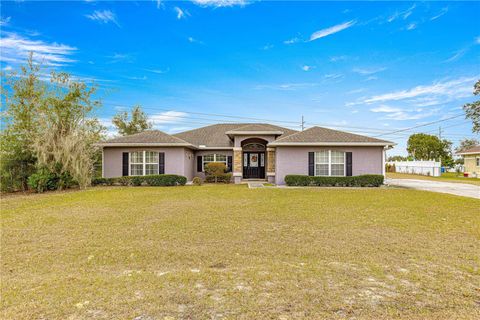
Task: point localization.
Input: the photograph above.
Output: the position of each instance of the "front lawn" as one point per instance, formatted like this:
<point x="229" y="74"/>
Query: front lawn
<point x="445" y="177"/>
<point x="227" y="251"/>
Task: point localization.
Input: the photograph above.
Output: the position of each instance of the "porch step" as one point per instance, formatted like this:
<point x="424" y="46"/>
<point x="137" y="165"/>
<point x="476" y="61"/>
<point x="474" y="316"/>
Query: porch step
<point x="255" y="184"/>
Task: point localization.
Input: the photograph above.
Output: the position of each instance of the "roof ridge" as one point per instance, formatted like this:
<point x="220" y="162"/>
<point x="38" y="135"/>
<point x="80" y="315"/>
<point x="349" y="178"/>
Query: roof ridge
<point x="294" y="134"/>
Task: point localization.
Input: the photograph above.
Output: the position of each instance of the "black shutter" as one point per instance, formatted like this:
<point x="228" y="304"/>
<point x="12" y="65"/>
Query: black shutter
<point x="229" y="164"/>
<point x="349" y="163"/>
<point x="161" y="163"/>
<point x="311" y="163"/>
<point x="125" y="164"/>
<point x="199" y="163"/>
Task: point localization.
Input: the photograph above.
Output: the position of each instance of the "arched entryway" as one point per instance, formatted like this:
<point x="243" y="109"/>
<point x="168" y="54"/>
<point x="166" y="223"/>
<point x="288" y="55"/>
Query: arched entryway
<point x="254" y="158"/>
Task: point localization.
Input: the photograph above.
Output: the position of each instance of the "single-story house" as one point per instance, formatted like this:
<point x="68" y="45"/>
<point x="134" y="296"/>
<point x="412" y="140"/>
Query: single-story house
<point x="471" y="160"/>
<point x="249" y="150"/>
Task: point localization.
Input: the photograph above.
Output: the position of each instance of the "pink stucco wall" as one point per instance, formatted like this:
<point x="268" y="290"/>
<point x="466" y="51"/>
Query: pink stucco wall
<point x="177" y="160"/>
<point x="294" y="160"/>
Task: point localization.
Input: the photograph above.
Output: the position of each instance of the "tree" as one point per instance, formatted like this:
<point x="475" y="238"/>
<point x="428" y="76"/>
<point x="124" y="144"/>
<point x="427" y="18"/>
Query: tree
<point x="467" y="144"/>
<point x="138" y="123"/>
<point x="398" y="158"/>
<point x="67" y="132"/>
<point x="425" y="146"/>
<point x="22" y="95"/>
<point x="472" y="110"/>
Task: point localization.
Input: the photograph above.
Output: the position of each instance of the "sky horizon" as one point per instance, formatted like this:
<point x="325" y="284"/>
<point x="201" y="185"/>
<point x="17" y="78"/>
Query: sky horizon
<point x="373" y="68"/>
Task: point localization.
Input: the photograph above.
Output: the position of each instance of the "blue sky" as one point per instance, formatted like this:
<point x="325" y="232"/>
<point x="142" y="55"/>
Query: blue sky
<point x="364" y="67"/>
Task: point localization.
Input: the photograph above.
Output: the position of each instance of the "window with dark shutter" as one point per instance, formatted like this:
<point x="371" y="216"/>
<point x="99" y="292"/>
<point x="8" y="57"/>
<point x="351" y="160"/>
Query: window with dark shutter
<point x="348" y="155"/>
<point x="311" y="163"/>
<point x="229" y="164"/>
<point x="161" y="163"/>
<point x="199" y="163"/>
<point x="125" y="164"/>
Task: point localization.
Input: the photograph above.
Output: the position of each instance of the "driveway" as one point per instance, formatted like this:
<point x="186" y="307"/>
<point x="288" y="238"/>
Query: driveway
<point x="459" y="189"/>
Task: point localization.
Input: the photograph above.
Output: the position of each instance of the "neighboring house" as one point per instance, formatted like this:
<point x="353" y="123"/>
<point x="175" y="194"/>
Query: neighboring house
<point x="249" y="150"/>
<point x="471" y="160"/>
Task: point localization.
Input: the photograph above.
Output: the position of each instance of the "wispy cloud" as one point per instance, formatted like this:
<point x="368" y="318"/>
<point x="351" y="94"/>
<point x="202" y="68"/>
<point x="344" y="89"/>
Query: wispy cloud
<point x="338" y="58"/>
<point x="160" y="4"/>
<point x="121" y="57"/>
<point x="137" y="78"/>
<point x="368" y="71"/>
<point x="221" y="3"/>
<point x="181" y="14"/>
<point x="267" y="47"/>
<point x="287" y="86"/>
<point x="292" y="41"/>
<point x="167" y="117"/>
<point x="411" y="26"/>
<point x="103" y="16"/>
<point x="441" y="13"/>
<point x="331" y="30"/>
<point x="460" y="53"/>
<point x="5" y="21"/>
<point x="158" y="71"/>
<point x="307" y="68"/>
<point x="399" y="114"/>
<point x="16" y="49"/>
<point x="444" y="91"/>
<point x="193" y="40"/>
<point x="402" y="14"/>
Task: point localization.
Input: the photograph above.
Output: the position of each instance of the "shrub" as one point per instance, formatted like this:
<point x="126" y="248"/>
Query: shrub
<point x="197" y="181"/>
<point x="219" y="178"/>
<point x="216" y="172"/>
<point x="152" y="180"/>
<point x="43" y="180"/>
<point x="368" y="180"/>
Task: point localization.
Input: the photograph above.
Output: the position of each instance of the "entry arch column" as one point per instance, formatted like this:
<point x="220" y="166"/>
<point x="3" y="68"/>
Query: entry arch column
<point x="271" y="153"/>
<point x="237" y="164"/>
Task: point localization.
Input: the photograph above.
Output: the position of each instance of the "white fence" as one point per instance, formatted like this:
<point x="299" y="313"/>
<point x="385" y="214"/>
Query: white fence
<point x="426" y="168"/>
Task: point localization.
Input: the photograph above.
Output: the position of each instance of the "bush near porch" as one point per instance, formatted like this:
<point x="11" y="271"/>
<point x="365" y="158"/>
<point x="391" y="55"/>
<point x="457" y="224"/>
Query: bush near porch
<point x="216" y="172"/>
<point x="367" y="180"/>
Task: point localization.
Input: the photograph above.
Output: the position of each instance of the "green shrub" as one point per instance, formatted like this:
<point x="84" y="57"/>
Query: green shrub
<point x="152" y="180"/>
<point x="43" y="180"/>
<point x="217" y="172"/>
<point x="368" y="180"/>
<point x="197" y="181"/>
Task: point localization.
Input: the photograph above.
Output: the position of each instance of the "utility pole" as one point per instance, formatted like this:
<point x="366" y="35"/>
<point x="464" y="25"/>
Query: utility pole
<point x="440" y="132"/>
<point x="303" y="123"/>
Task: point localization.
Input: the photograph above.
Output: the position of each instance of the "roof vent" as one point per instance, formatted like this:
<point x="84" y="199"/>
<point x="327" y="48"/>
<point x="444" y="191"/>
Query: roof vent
<point x="202" y="146"/>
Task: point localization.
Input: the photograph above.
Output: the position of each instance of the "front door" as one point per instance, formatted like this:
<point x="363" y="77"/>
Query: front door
<point x="254" y="165"/>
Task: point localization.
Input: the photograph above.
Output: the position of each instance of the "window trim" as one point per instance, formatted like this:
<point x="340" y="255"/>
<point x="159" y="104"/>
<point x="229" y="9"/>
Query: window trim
<point x="143" y="163"/>
<point x="329" y="164"/>
<point x="214" y="159"/>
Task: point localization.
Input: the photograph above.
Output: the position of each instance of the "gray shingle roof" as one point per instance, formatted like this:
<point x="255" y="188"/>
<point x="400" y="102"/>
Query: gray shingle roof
<point x="475" y="149"/>
<point x="325" y="135"/>
<point x="149" y="136"/>
<point x="215" y="135"/>
<point x="258" y="127"/>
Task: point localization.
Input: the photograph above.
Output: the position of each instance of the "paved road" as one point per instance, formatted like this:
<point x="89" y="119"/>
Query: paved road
<point x="459" y="189"/>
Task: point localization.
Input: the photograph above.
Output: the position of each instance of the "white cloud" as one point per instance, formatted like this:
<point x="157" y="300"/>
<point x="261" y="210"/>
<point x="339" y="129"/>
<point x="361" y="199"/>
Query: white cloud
<point x="167" y="117"/>
<point x="444" y="91"/>
<point x="291" y="41"/>
<point x="411" y="26"/>
<point x="5" y="21"/>
<point x="477" y="40"/>
<point x="399" y="114"/>
<point x="8" y="68"/>
<point x="103" y="16"/>
<point x="404" y="14"/>
<point x="220" y="3"/>
<point x="384" y="108"/>
<point x="457" y="55"/>
<point x="121" y="57"/>
<point x="333" y="76"/>
<point x="331" y="30"/>
<point x="158" y="71"/>
<point x="193" y="40"/>
<point x="181" y="14"/>
<point x="287" y="86"/>
<point x="338" y="58"/>
<point x="16" y="49"/>
<point x="368" y="71"/>
<point x="137" y="78"/>
<point x="159" y="4"/>
<point x="442" y="12"/>
<point x="267" y="47"/>
<point x="307" y="68"/>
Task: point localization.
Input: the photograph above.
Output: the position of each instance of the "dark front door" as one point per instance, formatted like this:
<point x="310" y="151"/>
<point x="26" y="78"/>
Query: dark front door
<point x="254" y="165"/>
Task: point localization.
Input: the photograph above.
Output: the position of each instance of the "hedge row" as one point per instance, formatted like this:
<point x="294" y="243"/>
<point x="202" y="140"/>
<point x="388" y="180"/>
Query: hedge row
<point x="219" y="178"/>
<point x="151" y="180"/>
<point x="368" y="180"/>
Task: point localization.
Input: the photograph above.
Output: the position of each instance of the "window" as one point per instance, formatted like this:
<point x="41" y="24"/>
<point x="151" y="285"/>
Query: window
<point x="143" y="163"/>
<point x="478" y="161"/>
<point x="214" y="158"/>
<point x="330" y="163"/>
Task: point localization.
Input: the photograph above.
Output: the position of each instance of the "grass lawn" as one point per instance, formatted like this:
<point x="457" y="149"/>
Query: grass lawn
<point x="446" y="177"/>
<point x="230" y="252"/>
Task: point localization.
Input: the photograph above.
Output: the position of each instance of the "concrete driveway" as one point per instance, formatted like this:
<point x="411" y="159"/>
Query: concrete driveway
<point x="459" y="189"/>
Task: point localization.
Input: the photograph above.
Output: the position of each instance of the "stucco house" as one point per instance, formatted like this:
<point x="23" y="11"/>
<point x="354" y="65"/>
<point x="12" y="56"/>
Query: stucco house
<point x="471" y="161"/>
<point x="249" y="150"/>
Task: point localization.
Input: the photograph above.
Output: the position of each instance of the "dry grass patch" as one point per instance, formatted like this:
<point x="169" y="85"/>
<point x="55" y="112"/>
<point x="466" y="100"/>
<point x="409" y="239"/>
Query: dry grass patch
<point x="229" y="252"/>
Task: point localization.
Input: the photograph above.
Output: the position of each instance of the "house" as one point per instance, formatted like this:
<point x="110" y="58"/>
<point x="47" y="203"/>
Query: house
<point x="471" y="161"/>
<point x="249" y="150"/>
